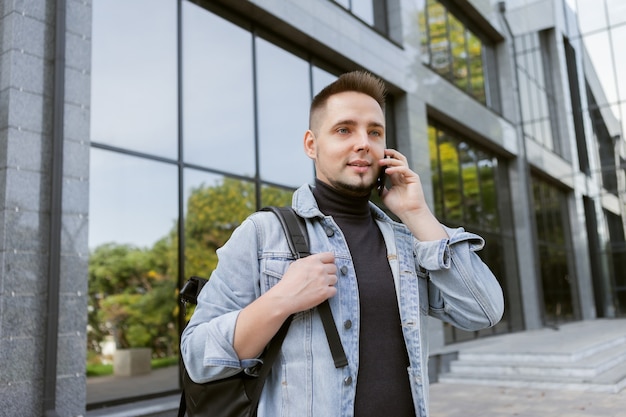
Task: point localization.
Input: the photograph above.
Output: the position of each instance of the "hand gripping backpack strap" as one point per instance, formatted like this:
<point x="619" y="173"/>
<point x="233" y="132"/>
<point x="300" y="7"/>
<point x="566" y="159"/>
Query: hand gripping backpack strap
<point x="295" y="229"/>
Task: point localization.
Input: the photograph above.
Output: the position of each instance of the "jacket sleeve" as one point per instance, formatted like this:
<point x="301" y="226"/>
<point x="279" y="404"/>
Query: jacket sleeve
<point x="462" y="290"/>
<point x="207" y="341"/>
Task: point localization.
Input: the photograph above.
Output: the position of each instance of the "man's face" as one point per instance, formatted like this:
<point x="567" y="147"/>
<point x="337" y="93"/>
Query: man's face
<point x="346" y="141"/>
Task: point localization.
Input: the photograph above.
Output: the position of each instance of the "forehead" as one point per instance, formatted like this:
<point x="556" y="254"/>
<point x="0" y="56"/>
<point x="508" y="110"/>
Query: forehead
<point x="355" y="105"/>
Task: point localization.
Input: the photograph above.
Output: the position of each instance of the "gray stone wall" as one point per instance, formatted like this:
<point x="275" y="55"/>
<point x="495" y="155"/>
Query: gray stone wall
<point x="27" y="67"/>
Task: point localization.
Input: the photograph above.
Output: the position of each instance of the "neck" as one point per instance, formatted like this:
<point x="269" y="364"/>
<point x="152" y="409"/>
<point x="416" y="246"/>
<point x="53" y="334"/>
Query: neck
<point x="332" y="203"/>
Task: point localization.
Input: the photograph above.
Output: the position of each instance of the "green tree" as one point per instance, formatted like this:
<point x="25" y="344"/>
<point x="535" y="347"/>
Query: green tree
<point x="129" y="289"/>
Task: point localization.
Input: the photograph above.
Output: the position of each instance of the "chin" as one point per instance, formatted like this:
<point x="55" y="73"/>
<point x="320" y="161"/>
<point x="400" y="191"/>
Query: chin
<point x="358" y="190"/>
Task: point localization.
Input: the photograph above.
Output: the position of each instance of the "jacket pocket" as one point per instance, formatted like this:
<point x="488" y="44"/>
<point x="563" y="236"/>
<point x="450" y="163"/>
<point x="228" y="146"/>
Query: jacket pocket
<point x="272" y="271"/>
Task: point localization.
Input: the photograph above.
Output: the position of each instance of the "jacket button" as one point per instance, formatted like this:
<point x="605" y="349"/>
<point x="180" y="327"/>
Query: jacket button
<point x="347" y="324"/>
<point x="347" y="380"/>
<point x="344" y="270"/>
<point x="329" y="232"/>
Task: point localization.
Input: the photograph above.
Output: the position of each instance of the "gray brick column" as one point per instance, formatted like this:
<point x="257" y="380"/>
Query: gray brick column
<point x="27" y="67"/>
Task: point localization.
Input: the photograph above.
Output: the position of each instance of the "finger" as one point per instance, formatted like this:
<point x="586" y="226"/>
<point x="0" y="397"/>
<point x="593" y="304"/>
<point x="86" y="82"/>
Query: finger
<point x="332" y="280"/>
<point x="394" y="154"/>
<point x="326" y="257"/>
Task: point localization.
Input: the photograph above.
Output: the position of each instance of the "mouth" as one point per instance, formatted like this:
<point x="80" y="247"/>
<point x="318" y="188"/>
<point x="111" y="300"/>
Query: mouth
<point x="360" y="166"/>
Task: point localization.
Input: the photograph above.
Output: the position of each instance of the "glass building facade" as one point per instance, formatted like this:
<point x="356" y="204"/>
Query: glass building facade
<point x="137" y="138"/>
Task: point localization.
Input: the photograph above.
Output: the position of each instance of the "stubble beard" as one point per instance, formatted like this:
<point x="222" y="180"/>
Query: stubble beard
<point x="358" y="190"/>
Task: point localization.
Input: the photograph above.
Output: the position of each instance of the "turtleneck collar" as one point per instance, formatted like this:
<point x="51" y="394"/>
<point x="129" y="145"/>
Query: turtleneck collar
<point x="333" y="203"/>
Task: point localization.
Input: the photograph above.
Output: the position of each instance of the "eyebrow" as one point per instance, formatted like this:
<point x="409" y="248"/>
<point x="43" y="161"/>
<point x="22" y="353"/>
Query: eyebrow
<point x="351" y="122"/>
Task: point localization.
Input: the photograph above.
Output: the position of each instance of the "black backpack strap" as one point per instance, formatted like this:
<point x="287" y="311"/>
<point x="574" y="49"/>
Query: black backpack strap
<point x="268" y="359"/>
<point x="295" y="230"/>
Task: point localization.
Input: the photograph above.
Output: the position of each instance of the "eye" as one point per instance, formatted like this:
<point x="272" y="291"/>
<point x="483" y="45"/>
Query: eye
<point x="376" y="133"/>
<point x="343" y="130"/>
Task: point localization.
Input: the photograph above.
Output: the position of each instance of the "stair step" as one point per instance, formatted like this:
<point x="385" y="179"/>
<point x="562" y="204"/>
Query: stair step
<point x="586" y="356"/>
<point x="536" y="383"/>
<point x="545" y="355"/>
<point x="588" y="367"/>
<point x="611" y="376"/>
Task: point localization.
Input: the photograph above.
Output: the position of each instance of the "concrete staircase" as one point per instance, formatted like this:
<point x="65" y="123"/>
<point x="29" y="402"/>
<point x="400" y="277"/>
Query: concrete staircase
<point x="586" y="356"/>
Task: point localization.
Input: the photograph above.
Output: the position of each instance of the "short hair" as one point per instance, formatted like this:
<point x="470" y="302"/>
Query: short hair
<point x="357" y="81"/>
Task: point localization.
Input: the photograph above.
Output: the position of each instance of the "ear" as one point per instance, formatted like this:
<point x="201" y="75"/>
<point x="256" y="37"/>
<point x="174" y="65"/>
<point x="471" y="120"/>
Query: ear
<point x="310" y="144"/>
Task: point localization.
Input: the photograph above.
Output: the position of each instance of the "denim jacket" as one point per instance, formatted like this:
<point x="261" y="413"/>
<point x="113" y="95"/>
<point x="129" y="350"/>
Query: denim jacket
<point x="445" y="279"/>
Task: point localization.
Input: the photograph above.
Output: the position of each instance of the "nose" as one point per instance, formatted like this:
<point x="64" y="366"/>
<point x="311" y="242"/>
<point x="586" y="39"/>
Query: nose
<point x="362" y="142"/>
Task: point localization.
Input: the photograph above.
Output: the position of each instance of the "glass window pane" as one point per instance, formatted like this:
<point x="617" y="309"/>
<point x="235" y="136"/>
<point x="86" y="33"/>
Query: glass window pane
<point x="214" y="206"/>
<point x="598" y="47"/>
<point x="132" y="273"/>
<point x="218" y="100"/>
<point x="275" y="196"/>
<point x="433" y="135"/>
<point x="131" y="200"/>
<point x="283" y="100"/>
<point x="449" y="158"/>
<point x="617" y="12"/>
<point x="591" y="15"/>
<point x="477" y="73"/>
<point x="439" y="44"/>
<point x="471" y="186"/>
<point x="133" y="97"/>
<point x="489" y="191"/>
<point x="459" y="52"/>
<point x="321" y="79"/>
<point x="364" y="9"/>
<point x="618" y="35"/>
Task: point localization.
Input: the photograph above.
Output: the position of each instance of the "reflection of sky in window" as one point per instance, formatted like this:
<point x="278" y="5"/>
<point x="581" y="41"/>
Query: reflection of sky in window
<point x="218" y="112"/>
<point x="597" y="46"/>
<point x="283" y="99"/>
<point x="607" y="53"/>
<point x="365" y="10"/>
<point x="619" y="36"/>
<point x="321" y="79"/>
<point x="131" y="200"/>
<point x="133" y="97"/>
<point x="617" y="11"/>
<point x="591" y="15"/>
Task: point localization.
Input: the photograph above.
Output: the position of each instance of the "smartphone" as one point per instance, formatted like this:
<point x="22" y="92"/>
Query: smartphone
<point x="380" y="183"/>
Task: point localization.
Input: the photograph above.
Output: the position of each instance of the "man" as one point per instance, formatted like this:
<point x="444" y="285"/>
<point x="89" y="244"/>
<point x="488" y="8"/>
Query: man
<point x="382" y="278"/>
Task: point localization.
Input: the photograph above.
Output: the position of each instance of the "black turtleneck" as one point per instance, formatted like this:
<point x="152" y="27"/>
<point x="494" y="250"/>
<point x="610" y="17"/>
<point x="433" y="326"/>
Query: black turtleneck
<point x="383" y="382"/>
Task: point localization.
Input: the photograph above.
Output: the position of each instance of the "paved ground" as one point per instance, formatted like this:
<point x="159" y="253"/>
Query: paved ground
<point x="446" y="399"/>
<point x="453" y="400"/>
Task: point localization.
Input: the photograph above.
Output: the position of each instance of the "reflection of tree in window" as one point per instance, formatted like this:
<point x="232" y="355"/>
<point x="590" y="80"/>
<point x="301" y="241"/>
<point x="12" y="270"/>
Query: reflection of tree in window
<point x="459" y="52"/>
<point x="471" y="186"/>
<point x="435" y="168"/>
<point x="452" y="50"/>
<point x="477" y="76"/>
<point x="131" y="289"/>
<point x="452" y="193"/>
<point x="439" y="42"/>
<point x="130" y="297"/>
<point x="487" y="175"/>
<point x="553" y="252"/>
